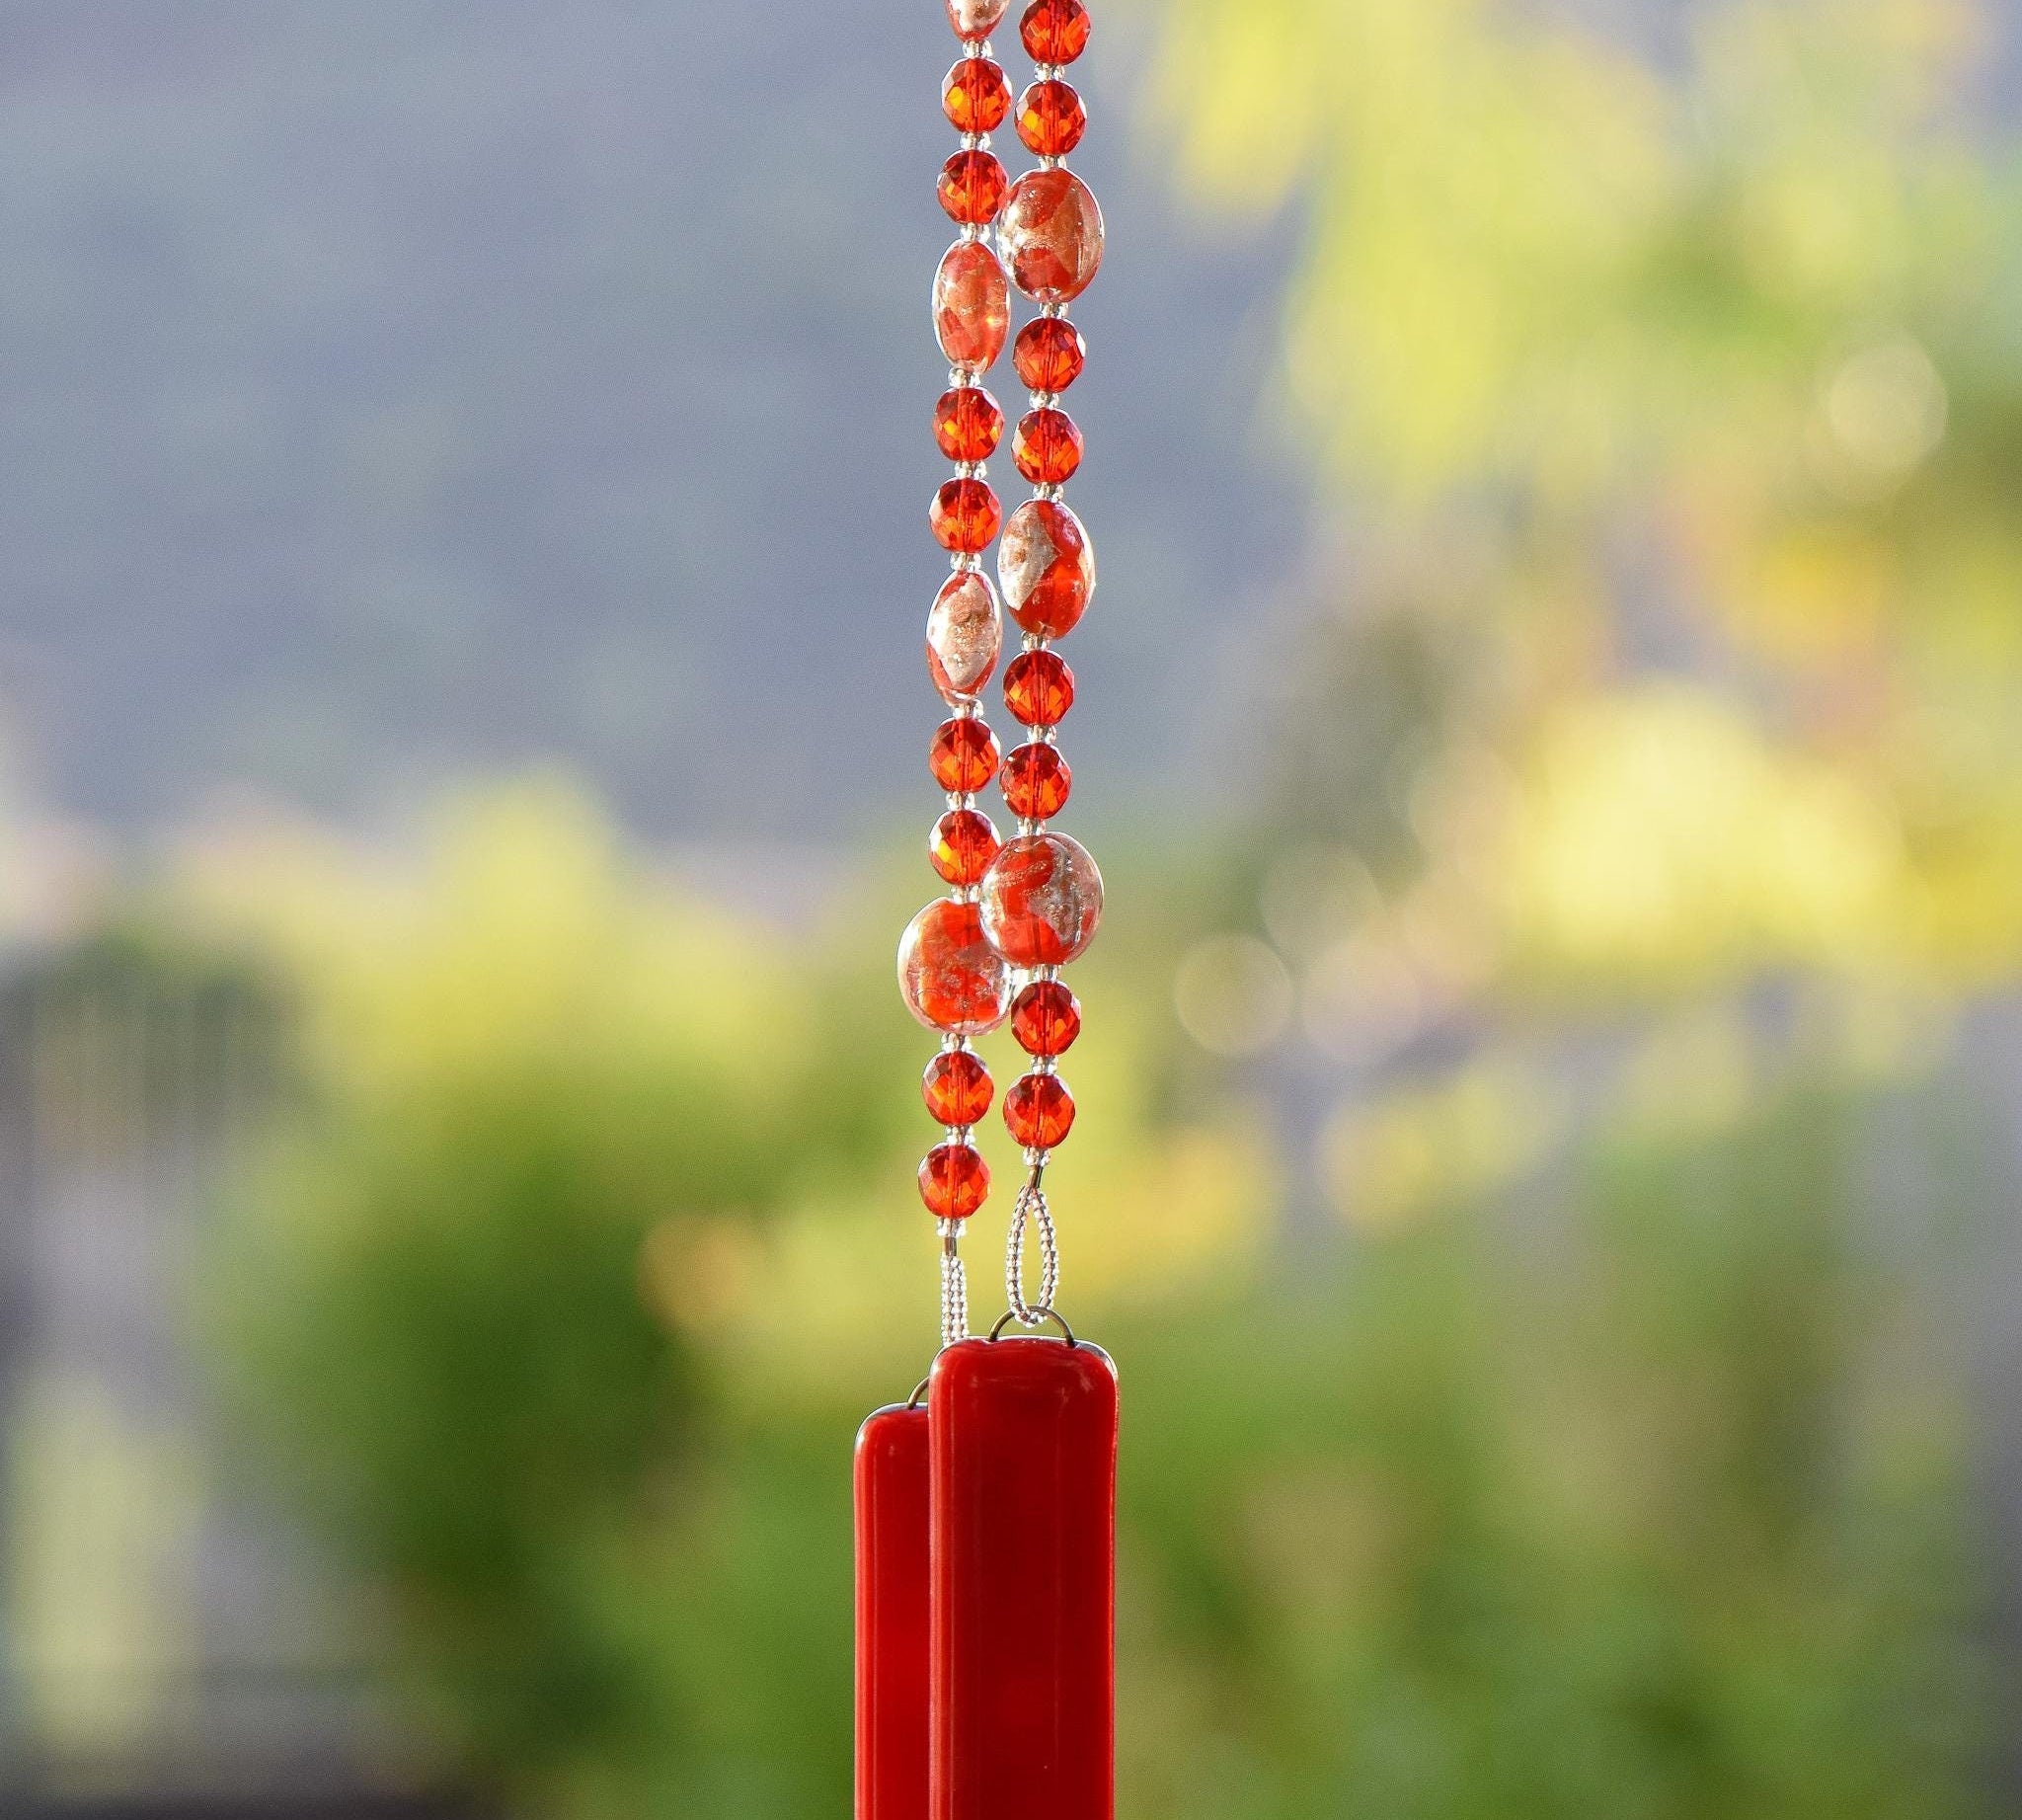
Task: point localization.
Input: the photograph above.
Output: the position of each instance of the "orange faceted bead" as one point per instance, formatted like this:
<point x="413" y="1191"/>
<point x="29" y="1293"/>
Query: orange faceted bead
<point x="971" y="306"/>
<point x="968" y="423"/>
<point x="957" y="1087"/>
<point x="961" y="846"/>
<point x="1039" y="1111"/>
<point x="964" y="633"/>
<point x="1045" y="1018"/>
<point x="1045" y="566"/>
<point x="1052" y="235"/>
<point x="973" y="18"/>
<point x="964" y="755"/>
<point x="1054" y="30"/>
<point x="954" y="1181"/>
<point x="1036" y="782"/>
<point x="975" y="96"/>
<point x="1042" y="900"/>
<point x="1039" y="688"/>
<point x="950" y="977"/>
<point x="1047" y="446"/>
<point x="965" y="514"/>
<point x="971" y="186"/>
<point x="1052" y="118"/>
<point x="1049" y="353"/>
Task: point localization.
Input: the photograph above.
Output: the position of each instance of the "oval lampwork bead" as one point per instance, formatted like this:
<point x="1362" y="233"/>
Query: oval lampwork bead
<point x="1051" y="234"/>
<point x="964" y="634"/>
<point x="1042" y="900"/>
<point x="951" y="977"/>
<point x="1045" y="566"/>
<point x="975" y="19"/>
<point x="971" y="306"/>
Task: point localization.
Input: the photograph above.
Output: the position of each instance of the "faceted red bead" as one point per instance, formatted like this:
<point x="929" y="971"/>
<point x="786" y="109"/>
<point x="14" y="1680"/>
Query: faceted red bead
<point x="1039" y="688"/>
<point x="971" y="186"/>
<point x="1045" y="566"/>
<point x="965" y="514"/>
<point x="1039" y="1111"/>
<point x="957" y="1087"/>
<point x="1054" y="30"/>
<point x="1045" y="1018"/>
<point x="1042" y="900"/>
<point x="1052" y="118"/>
<point x="975" y="19"/>
<point x="1047" y="446"/>
<point x="1036" y="782"/>
<point x="968" y="423"/>
<point x="961" y="846"/>
<point x="971" y="306"/>
<point x="954" y="1181"/>
<point x="1051" y="231"/>
<point x="964" y="755"/>
<point x="1049" y="353"/>
<point x="975" y="96"/>
<point x="964" y="633"/>
<point x="951" y="979"/>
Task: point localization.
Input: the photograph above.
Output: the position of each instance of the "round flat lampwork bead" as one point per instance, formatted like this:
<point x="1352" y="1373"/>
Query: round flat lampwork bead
<point x="961" y="846"/>
<point x="1039" y="688"/>
<point x="1039" y="1111"/>
<point x="975" y="19"/>
<point x="963" y="757"/>
<point x="965" y="514"/>
<point x="1047" y="446"/>
<point x="1049" y="353"/>
<point x="1045" y="566"/>
<point x="964" y="633"/>
<point x="1045" y="1018"/>
<point x="971" y="186"/>
<point x="971" y="306"/>
<point x="1036" y="782"/>
<point x="1042" y="900"/>
<point x="1051" y="229"/>
<point x="957" y="1087"/>
<point x="1051" y="118"/>
<point x="976" y="97"/>
<point x="1054" y="30"/>
<point x="951" y="977"/>
<point x="968" y="423"/>
<point x="954" y="1181"/>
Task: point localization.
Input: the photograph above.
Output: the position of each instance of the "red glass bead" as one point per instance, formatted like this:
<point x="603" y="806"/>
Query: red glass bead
<point x="961" y="846"/>
<point x="1039" y="688"/>
<point x="976" y="97"/>
<point x="971" y="186"/>
<point x="965" y="632"/>
<point x="968" y="423"/>
<point x="1054" y="30"/>
<point x="1052" y="235"/>
<point x="964" y="755"/>
<point x="1051" y="118"/>
<point x="1047" y="446"/>
<point x="1045" y="1018"/>
<point x="954" y="1181"/>
<point x="1045" y="566"/>
<point x="975" y="19"/>
<point x="957" y="1087"/>
<point x="1039" y="1111"/>
<point x="965" y="514"/>
<point x="1036" y="782"/>
<point x="1042" y="900"/>
<point x="971" y="306"/>
<point x="951" y="979"/>
<point x="1049" y="353"/>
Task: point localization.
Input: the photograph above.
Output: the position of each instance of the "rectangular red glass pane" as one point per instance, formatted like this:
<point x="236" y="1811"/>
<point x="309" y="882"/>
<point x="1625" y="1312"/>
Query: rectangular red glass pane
<point x="893" y="1585"/>
<point x="1024" y="1528"/>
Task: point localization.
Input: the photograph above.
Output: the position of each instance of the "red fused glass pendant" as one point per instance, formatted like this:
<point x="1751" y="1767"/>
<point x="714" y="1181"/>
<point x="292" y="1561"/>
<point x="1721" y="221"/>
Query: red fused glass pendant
<point x="975" y="96"/>
<point x="1049" y="353"/>
<point x="891" y="1585"/>
<point x="1047" y="446"/>
<point x="971" y="306"/>
<point x="971" y="186"/>
<point x="1023" y="1444"/>
<point x="1054" y="30"/>
<point x="1045" y="566"/>
<point x="1039" y="688"/>
<point x="1036" y="781"/>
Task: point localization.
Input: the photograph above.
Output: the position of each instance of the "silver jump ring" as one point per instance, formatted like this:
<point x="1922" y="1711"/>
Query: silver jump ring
<point x="1043" y="1313"/>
